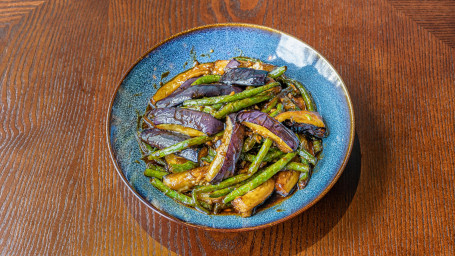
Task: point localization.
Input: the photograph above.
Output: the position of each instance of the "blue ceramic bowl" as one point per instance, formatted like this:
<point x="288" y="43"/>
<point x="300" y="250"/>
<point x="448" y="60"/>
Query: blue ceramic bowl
<point x="224" y="41"/>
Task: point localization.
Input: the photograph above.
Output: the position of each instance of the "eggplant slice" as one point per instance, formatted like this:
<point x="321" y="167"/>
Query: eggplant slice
<point x="307" y="122"/>
<point x="196" y="92"/>
<point x="162" y="139"/>
<point x="186" y="121"/>
<point x="285" y="182"/>
<point x="184" y="181"/>
<point x="168" y="88"/>
<point x="266" y="126"/>
<point x="228" y="153"/>
<point x="244" y="77"/>
<point x="232" y="64"/>
<point x="184" y="86"/>
<point x="246" y="203"/>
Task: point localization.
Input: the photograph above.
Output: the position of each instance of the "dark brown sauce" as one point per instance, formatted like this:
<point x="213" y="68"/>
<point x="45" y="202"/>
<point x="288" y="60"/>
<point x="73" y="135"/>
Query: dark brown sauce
<point x="164" y="75"/>
<point x="273" y="200"/>
<point x="207" y="54"/>
<point x="193" y="55"/>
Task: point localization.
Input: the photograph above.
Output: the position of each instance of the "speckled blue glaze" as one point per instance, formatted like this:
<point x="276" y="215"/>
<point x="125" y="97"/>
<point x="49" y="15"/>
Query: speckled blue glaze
<point x="226" y="41"/>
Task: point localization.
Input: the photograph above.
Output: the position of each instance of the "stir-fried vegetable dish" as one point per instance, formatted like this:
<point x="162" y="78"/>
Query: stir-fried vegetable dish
<point x="222" y="137"/>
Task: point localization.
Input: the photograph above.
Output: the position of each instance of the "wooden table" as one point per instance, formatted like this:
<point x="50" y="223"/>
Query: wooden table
<point x="62" y="60"/>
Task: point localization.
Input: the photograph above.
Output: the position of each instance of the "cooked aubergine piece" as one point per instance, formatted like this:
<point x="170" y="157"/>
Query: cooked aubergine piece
<point x="184" y="86"/>
<point x="307" y="122"/>
<point x="168" y="88"/>
<point x="196" y="92"/>
<point x="245" y="77"/>
<point x="246" y="203"/>
<point x="285" y="182"/>
<point x="266" y="126"/>
<point x="232" y="64"/>
<point x="186" y="121"/>
<point x="228" y="153"/>
<point x="220" y="66"/>
<point x="162" y="139"/>
<point x="184" y="181"/>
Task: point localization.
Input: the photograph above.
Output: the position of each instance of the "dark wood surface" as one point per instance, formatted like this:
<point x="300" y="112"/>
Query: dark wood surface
<point x="60" y="62"/>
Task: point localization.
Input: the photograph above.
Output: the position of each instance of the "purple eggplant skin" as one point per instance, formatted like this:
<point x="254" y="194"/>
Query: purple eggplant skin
<point x="189" y="118"/>
<point x="232" y="64"/>
<point x="244" y="77"/>
<point x="308" y="129"/>
<point x="182" y="87"/>
<point x="185" y="85"/>
<point x="195" y="92"/>
<point x="273" y="126"/>
<point x="228" y="153"/>
<point x="162" y="139"/>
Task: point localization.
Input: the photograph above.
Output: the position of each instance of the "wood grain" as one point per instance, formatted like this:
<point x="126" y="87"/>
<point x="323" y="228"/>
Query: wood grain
<point x="438" y="17"/>
<point x="60" y="63"/>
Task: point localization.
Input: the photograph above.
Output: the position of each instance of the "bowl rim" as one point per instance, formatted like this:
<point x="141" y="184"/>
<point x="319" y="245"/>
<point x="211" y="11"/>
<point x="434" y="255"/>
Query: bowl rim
<point x="179" y="221"/>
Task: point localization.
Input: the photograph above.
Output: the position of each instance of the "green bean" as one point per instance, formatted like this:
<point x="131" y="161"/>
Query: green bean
<point x="270" y="105"/>
<point x="172" y="193"/>
<point x="244" y="58"/>
<point x="260" y="156"/>
<point x="211" y="151"/>
<point x="273" y="155"/>
<point x="207" y="109"/>
<point x="182" y="145"/>
<point x="197" y="205"/>
<point x="210" y="155"/>
<point x="222" y="192"/>
<point x="155" y="172"/>
<point x="176" y="168"/>
<point x="249" y="143"/>
<point x="268" y="158"/>
<point x="300" y="167"/>
<point x="304" y="179"/>
<point x="307" y="156"/>
<point x="241" y="104"/>
<point x="207" y="79"/>
<point x="217" y="106"/>
<point x="277" y="72"/>
<point x="207" y="158"/>
<point x="305" y="93"/>
<point x="279" y="109"/>
<point x="261" y="178"/>
<point x="230" y="98"/>
<point x="303" y="176"/>
<point x="206" y="205"/>
<point x="227" y="190"/>
<point x="223" y="184"/>
<point x="317" y="146"/>
<point x="255" y="163"/>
